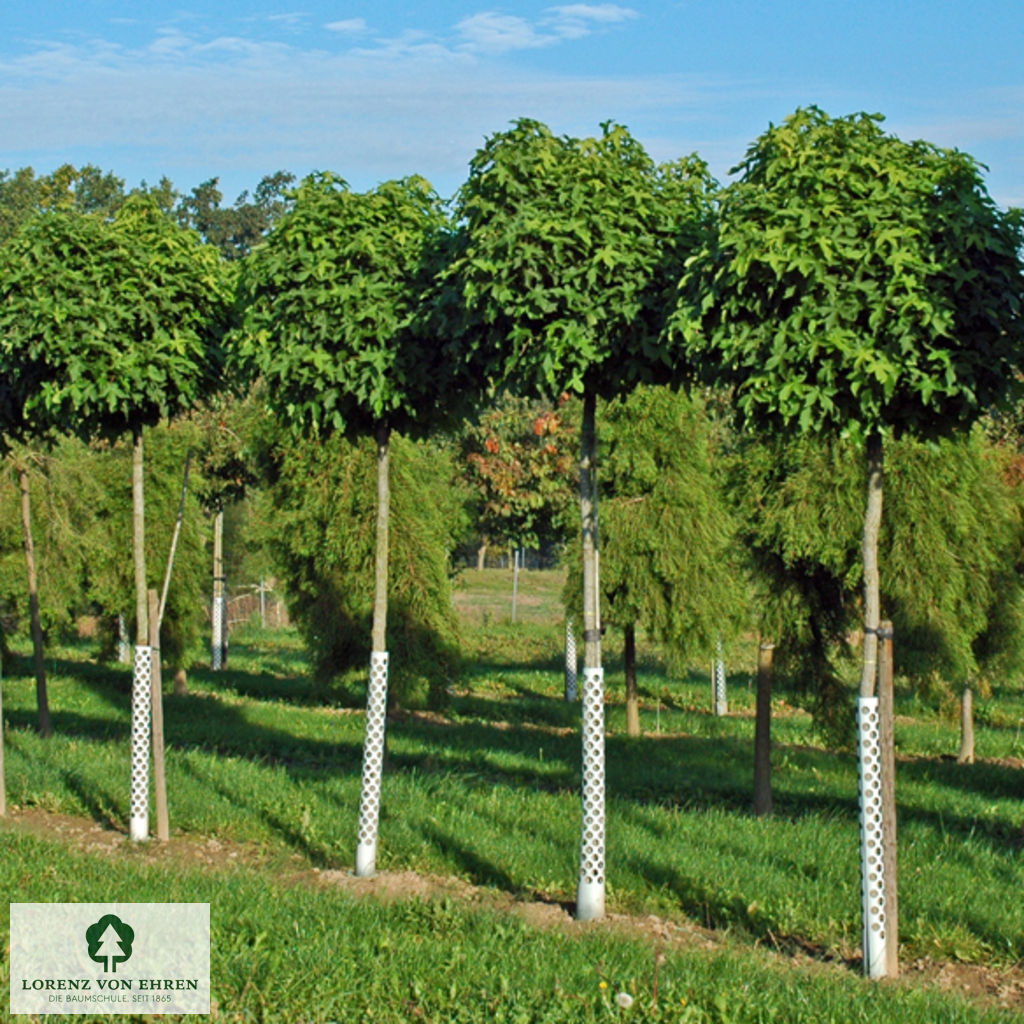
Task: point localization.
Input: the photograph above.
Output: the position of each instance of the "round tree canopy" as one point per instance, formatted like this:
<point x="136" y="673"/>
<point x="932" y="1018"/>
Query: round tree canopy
<point x="337" y="307"/>
<point x="856" y="283"/>
<point x="568" y="253"/>
<point x="106" y="326"/>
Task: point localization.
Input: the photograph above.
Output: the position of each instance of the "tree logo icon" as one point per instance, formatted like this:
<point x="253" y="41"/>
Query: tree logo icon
<point x="110" y="941"/>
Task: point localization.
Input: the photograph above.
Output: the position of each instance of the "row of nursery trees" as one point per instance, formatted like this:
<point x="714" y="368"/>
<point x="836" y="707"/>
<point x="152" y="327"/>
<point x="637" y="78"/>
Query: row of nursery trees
<point x="848" y="293"/>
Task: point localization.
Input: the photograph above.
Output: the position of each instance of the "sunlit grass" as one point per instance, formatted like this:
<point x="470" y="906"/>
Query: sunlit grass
<point x="488" y="791"/>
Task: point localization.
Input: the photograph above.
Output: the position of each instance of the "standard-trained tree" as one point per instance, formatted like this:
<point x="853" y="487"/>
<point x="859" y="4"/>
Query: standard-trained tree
<point x="22" y="195"/>
<point x="338" y="325"/>
<point x="105" y="327"/>
<point x="569" y="250"/>
<point x="863" y="286"/>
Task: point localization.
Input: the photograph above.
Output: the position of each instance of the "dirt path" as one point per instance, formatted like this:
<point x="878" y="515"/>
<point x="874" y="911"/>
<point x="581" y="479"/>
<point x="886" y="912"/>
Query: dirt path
<point x="1002" y="988"/>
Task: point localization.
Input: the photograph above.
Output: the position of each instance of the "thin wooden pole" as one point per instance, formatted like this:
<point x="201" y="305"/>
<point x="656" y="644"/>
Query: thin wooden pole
<point x="174" y="541"/>
<point x="763" y="730"/>
<point x="3" y="782"/>
<point x="163" y="828"/>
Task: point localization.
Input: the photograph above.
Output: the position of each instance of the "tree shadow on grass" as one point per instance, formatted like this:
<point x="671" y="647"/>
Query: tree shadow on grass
<point x="101" y="806"/>
<point x="505" y="749"/>
<point x="317" y="852"/>
<point x="531" y="708"/>
<point x="479" y="870"/>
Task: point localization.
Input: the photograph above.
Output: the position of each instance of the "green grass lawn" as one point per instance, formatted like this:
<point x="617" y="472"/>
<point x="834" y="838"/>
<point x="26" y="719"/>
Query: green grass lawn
<point x="488" y="792"/>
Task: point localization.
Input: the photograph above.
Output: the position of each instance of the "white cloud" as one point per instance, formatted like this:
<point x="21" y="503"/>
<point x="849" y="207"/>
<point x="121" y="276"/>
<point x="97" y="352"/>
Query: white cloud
<point x="572" y="21"/>
<point x="491" y="32"/>
<point x="347" y="25"/>
<point x="191" y="105"/>
<point x="290" y="18"/>
<point x="595" y="12"/>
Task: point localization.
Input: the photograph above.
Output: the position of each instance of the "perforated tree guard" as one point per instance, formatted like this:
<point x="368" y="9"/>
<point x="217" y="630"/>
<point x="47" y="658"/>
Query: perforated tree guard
<point x="219" y="621"/>
<point x="869" y="762"/>
<point x="373" y="764"/>
<point x="590" y="894"/>
<point x="124" y="649"/>
<point x="570" y="662"/>
<point x="142" y="678"/>
<point x="721" y="702"/>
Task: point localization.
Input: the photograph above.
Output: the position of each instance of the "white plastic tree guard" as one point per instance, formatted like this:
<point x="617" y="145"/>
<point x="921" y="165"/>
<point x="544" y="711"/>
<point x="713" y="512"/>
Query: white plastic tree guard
<point x="142" y="678"/>
<point x="124" y="649"/>
<point x="218" y="623"/>
<point x="721" y="701"/>
<point x="373" y="765"/>
<point x="570" y="662"/>
<point x="869" y="762"/>
<point x="590" y="894"/>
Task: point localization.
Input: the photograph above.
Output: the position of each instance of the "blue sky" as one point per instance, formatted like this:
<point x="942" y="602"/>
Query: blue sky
<point x="384" y="89"/>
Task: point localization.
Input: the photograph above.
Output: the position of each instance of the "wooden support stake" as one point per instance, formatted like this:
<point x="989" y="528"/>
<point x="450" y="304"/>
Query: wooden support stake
<point x="3" y="783"/>
<point x="763" y="731"/>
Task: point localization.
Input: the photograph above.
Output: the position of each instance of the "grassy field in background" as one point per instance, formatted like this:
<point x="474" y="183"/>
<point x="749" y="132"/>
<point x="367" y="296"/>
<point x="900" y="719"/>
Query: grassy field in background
<point x="486" y="792"/>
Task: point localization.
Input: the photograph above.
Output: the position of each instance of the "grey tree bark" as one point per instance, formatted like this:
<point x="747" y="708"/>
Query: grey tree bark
<point x="139" y="542"/>
<point x="869" y="552"/>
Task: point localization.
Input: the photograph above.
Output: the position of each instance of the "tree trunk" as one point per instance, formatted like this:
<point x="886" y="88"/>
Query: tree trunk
<point x="588" y="517"/>
<point x="590" y="896"/>
<point x="180" y="683"/>
<point x="887" y="741"/>
<point x="42" y="702"/>
<point x="142" y="671"/>
<point x="481" y="557"/>
<point x="139" y="542"/>
<point x="869" y="759"/>
<point x="763" y="730"/>
<point x="217" y="615"/>
<point x="380" y="581"/>
<point x="377" y="692"/>
<point x="163" y="829"/>
<point x="869" y="550"/>
<point x="966" y="755"/>
<point x="632" y="696"/>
